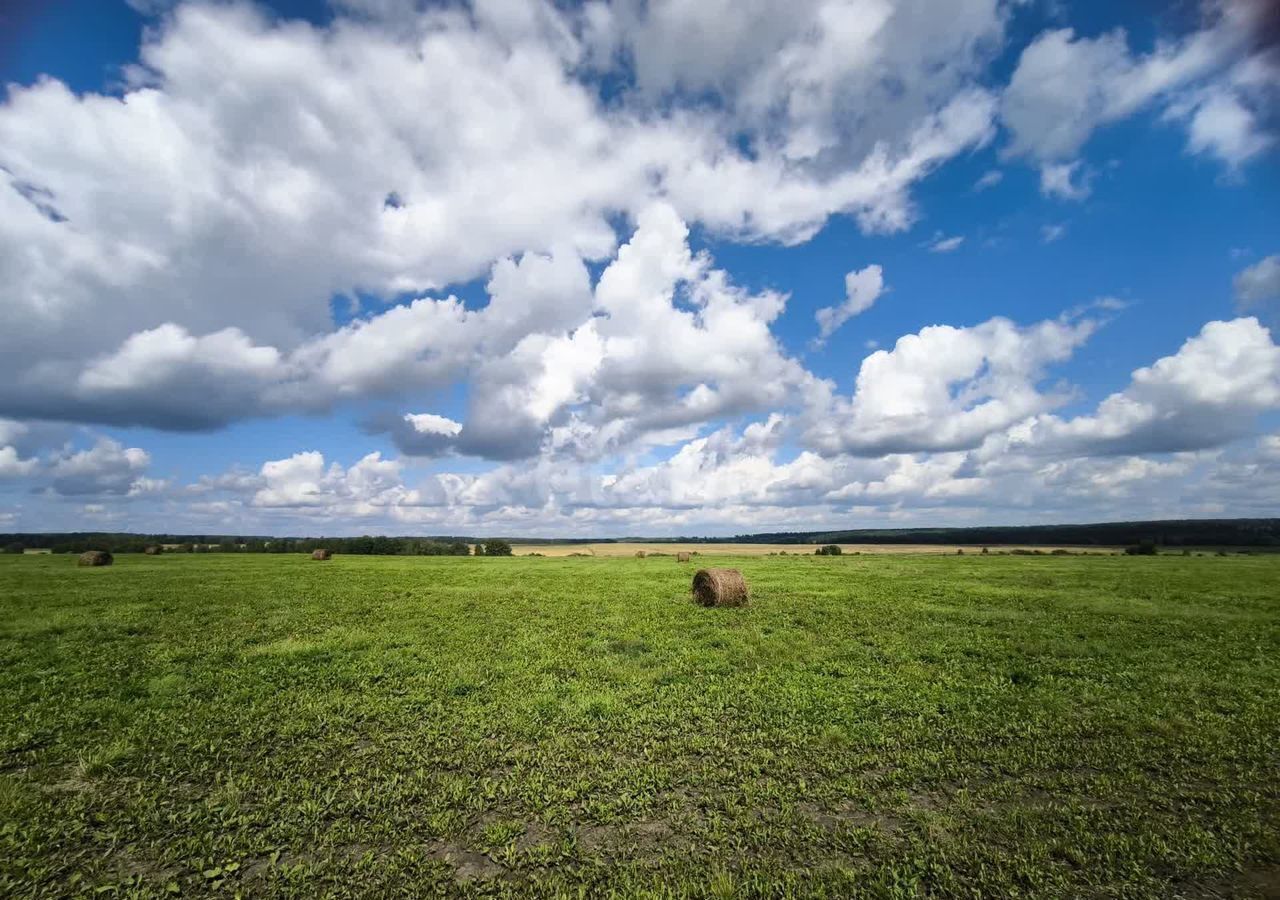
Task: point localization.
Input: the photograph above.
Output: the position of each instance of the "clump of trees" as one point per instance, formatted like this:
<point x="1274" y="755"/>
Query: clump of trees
<point x="372" y="546"/>
<point x="1142" y="548"/>
<point x="828" y="550"/>
<point x="493" y="547"/>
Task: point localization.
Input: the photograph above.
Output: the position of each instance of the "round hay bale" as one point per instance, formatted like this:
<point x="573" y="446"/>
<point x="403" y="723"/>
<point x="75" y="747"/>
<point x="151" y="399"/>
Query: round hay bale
<point x="153" y="550"/>
<point x="683" y="557"/>
<point x="640" y="554"/>
<point x="720" y="587"/>
<point x="96" y="558"/>
<point x="321" y="554"/>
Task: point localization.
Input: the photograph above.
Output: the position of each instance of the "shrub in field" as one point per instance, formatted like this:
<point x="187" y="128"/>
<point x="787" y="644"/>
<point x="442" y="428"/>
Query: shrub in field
<point x="828" y="550"/>
<point x="1144" y="548"/>
<point x="433" y="548"/>
<point x="495" y="548"/>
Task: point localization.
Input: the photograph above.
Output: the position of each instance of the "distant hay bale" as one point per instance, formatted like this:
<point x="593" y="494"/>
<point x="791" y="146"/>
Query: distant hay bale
<point x="321" y="554"/>
<point x="96" y="558"/>
<point x="152" y="550"/>
<point x="720" y="587"/>
<point x="683" y="557"/>
<point x="640" y="554"/>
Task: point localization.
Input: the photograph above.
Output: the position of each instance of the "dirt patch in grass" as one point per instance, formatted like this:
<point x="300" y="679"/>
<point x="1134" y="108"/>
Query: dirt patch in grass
<point x="643" y="838"/>
<point x="468" y="865"/>
<point x="1261" y="881"/>
<point x="848" y="814"/>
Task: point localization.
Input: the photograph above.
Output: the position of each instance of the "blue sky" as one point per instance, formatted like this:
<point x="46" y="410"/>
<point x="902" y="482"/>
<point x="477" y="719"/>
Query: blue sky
<point x="1043" y="238"/>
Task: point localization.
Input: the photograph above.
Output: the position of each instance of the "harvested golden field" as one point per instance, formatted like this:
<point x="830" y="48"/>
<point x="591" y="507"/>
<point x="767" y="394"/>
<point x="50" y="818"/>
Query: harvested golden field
<point x="629" y="548"/>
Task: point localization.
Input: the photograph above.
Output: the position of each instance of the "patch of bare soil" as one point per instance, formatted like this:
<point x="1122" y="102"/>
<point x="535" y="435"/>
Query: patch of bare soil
<point x="643" y="838"/>
<point x="1258" y="882"/>
<point x="468" y="865"/>
<point x="848" y="814"/>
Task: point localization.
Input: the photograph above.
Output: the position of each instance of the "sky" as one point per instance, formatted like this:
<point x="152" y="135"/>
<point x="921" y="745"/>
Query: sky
<point x="676" y="267"/>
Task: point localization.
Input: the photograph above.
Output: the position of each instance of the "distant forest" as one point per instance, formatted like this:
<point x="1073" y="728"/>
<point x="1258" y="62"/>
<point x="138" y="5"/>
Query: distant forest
<point x="1169" y="533"/>
<point x="78" y="542"/>
<point x="1260" y="533"/>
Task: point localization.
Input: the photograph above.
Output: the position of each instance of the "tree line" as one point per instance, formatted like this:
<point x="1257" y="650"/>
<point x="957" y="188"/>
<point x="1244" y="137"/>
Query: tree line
<point x="1262" y="533"/>
<point x="366" y="545"/>
<point x="1172" y="533"/>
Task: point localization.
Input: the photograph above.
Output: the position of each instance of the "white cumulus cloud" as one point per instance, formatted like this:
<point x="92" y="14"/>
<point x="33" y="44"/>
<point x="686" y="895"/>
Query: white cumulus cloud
<point x="1205" y="395"/>
<point x="862" y="288"/>
<point x="947" y="388"/>
<point x="1258" y="286"/>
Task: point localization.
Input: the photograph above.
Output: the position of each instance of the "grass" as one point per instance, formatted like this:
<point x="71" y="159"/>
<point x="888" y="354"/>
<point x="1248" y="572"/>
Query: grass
<point x="882" y="726"/>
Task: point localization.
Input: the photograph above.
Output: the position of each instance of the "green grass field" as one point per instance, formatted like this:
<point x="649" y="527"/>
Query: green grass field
<point x="871" y="726"/>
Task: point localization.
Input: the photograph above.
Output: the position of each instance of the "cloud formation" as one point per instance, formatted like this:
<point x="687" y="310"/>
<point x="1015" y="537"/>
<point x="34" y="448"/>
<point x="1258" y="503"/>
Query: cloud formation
<point x="477" y="231"/>
<point x="1205" y="395"/>
<point x="107" y="467"/>
<point x="949" y="425"/>
<point x="1215" y="80"/>
<point x="1258" y="286"/>
<point x="947" y="388"/>
<point x="862" y="288"/>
